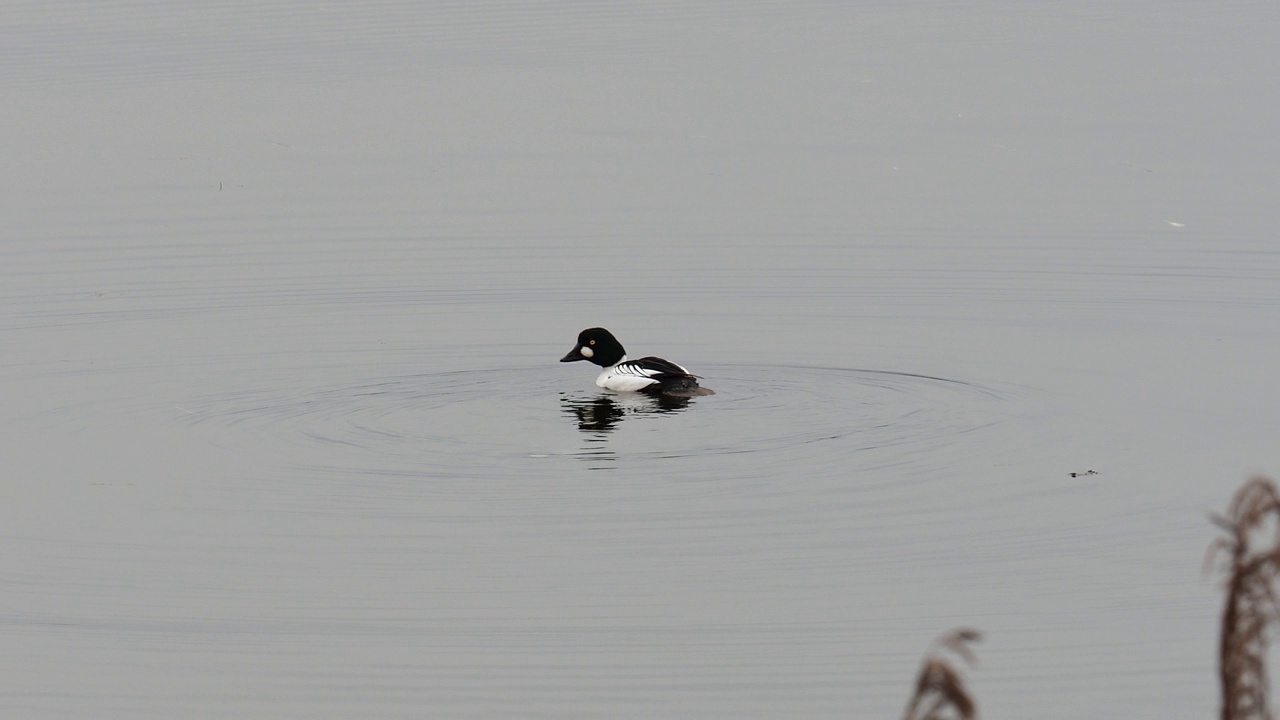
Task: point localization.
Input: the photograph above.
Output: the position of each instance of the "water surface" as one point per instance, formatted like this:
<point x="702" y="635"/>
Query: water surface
<point x="284" y="289"/>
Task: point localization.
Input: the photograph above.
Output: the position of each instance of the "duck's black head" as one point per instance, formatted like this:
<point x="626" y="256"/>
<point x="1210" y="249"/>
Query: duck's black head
<point x="598" y="346"/>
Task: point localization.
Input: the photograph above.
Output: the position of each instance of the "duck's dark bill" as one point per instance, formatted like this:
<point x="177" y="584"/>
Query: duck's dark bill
<point x="573" y="355"/>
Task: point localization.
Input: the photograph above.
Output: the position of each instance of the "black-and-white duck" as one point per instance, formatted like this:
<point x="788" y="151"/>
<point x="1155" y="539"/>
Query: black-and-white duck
<point x="649" y="375"/>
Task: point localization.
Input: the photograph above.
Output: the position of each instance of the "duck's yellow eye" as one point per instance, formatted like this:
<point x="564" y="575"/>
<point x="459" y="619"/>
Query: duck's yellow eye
<point x="591" y="342"/>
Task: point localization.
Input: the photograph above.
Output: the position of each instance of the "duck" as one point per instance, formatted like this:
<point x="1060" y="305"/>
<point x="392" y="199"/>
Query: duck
<point x="649" y="375"/>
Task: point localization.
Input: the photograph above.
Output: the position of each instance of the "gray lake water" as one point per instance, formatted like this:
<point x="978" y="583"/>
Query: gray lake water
<point x="988" y="293"/>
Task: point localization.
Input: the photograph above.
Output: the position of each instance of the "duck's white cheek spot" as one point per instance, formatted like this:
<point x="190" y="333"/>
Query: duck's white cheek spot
<point x="587" y="352"/>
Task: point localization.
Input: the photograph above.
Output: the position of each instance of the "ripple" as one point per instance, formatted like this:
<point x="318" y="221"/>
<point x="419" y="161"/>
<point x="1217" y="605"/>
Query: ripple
<point x="469" y="422"/>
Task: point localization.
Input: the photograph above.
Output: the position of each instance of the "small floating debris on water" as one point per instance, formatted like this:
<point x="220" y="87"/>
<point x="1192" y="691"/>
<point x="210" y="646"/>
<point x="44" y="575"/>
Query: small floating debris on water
<point x="1082" y="474"/>
<point x="1175" y="224"/>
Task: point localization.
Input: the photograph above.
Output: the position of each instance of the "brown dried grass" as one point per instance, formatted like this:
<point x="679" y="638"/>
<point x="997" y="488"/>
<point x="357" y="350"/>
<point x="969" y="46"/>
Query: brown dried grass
<point x="1252" y="547"/>
<point x="940" y="688"/>
<point x="1252" y="569"/>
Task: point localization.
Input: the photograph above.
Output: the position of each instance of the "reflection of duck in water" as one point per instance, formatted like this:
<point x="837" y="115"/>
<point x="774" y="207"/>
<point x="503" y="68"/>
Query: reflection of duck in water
<point x="649" y="375"/>
<point x="601" y="412"/>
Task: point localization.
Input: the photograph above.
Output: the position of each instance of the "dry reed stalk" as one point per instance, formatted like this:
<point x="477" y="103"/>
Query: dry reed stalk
<point x="1252" y="524"/>
<point x="940" y="689"/>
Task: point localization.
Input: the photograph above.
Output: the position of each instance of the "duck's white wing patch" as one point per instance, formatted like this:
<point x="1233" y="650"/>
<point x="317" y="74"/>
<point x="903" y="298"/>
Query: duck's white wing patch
<point x="627" y="377"/>
<point x="637" y="368"/>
